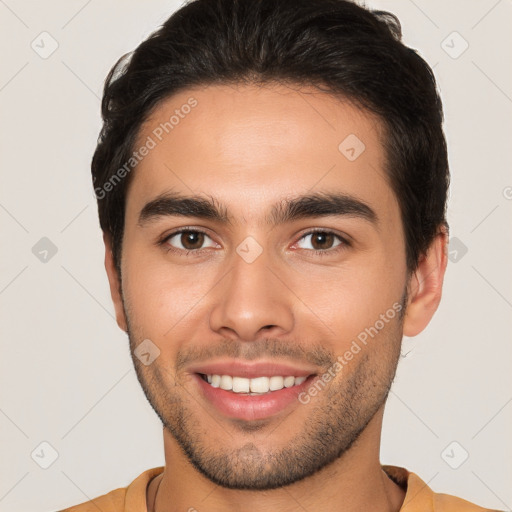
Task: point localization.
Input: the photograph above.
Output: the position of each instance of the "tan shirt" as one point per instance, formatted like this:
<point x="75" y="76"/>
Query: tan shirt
<point x="418" y="498"/>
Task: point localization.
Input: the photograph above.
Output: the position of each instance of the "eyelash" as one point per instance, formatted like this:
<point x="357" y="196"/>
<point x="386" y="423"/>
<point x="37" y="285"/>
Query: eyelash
<point x="318" y="252"/>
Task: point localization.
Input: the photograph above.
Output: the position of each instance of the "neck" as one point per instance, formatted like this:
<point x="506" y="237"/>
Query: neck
<point x="352" y="483"/>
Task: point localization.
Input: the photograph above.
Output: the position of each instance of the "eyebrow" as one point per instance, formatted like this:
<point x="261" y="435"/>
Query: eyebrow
<point x="320" y="204"/>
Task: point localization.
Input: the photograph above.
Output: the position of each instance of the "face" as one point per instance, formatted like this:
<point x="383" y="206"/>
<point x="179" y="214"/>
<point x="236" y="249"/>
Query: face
<point x="287" y="260"/>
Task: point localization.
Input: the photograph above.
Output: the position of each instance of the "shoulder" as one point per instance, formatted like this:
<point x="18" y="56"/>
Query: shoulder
<point x="420" y="497"/>
<point x="122" y="499"/>
<point x="111" y="502"/>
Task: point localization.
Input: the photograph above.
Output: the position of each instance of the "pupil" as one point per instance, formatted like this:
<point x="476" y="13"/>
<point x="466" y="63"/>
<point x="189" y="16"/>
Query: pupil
<point x="187" y="239"/>
<point x="322" y="237"/>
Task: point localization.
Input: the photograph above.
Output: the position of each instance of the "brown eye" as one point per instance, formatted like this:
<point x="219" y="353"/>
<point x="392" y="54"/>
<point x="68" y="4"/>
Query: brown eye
<point x="192" y="240"/>
<point x="188" y="240"/>
<point x="322" y="241"/>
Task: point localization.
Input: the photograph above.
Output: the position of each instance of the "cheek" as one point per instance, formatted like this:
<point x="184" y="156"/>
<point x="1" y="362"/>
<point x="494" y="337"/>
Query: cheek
<point x="163" y="297"/>
<point x="167" y="300"/>
<point x="351" y="297"/>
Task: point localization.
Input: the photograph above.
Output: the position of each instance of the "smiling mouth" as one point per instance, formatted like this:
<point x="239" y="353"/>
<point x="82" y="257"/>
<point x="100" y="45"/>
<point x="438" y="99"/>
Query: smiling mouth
<point x="255" y="386"/>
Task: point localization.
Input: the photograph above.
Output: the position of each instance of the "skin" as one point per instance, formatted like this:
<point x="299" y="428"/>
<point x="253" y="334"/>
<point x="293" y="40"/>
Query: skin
<point x="249" y="147"/>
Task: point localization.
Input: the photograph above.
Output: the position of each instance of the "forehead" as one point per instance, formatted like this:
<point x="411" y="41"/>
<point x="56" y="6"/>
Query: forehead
<point x="249" y="145"/>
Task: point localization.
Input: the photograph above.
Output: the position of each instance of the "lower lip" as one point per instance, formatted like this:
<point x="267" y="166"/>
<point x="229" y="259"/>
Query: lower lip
<point x="252" y="407"/>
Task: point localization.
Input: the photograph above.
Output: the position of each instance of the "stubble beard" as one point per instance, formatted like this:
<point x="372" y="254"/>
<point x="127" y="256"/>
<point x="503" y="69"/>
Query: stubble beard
<point x="337" y="417"/>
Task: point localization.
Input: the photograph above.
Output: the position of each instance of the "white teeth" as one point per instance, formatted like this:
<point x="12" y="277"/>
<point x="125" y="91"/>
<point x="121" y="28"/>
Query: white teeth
<point x="241" y="385"/>
<point x="289" y="381"/>
<point x="226" y="382"/>
<point x="257" y="385"/>
<point x="215" y="380"/>
<point x="276" y="383"/>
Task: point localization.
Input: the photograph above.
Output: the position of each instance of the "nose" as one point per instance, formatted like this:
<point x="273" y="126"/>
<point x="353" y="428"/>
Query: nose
<point x="252" y="302"/>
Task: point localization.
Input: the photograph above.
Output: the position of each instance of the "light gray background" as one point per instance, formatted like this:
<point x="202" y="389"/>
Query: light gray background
<point x="66" y="374"/>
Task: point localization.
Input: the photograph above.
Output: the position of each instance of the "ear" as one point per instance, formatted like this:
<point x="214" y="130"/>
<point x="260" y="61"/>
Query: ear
<point x="426" y="285"/>
<point x="115" y="283"/>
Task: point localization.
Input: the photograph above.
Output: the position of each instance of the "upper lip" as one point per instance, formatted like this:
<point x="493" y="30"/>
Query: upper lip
<point x="250" y="370"/>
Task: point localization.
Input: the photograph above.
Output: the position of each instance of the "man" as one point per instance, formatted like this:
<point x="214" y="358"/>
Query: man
<point x="271" y="180"/>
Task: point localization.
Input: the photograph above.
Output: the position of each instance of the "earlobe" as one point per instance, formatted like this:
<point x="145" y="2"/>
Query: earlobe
<point x="426" y="285"/>
<point x="115" y="284"/>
